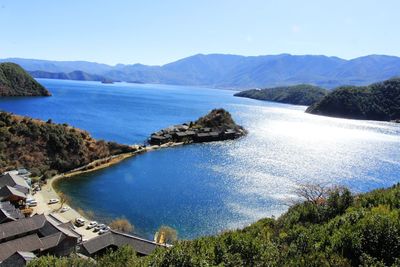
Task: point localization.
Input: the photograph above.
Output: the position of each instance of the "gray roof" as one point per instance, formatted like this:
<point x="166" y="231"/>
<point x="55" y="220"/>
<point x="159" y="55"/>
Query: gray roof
<point x="27" y="243"/>
<point x="211" y="134"/>
<point x="5" y="216"/>
<point x="181" y="134"/>
<point x="7" y="191"/>
<point x="22" y="226"/>
<point x="114" y="238"/>
<point x="10" y="211"/>
<point x="11" y="179"/>
<point x="230" y="131"/>
<point x="51" y="230"/>
<point x="52" y="240"/>
<point x="65" y="228"/>
<point x="159" y="137"/>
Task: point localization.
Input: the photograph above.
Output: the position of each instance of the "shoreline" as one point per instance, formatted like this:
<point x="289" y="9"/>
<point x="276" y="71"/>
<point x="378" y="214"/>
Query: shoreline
<point x="49" y="190"/>
<point x="108" y="162"/>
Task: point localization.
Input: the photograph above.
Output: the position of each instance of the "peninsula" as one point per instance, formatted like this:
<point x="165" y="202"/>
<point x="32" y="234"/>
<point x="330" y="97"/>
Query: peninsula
<point x="378" y="101"/>
<point x="217" y="125"/>
<point x="15" y="81"/>
<point x="47" y="148"/>
<point x="303" y="94"/>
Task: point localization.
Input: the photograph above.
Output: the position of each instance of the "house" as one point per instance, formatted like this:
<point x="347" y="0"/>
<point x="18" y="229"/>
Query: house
<point x="9" y="213"/>
<point x="206" y="137"/>
<point x="18" y="259"/>
<point x="114" y="240"/>
<point x="158" y="140"/>
<point x="183" y="136"/>
<point x="16" y="181"/>
<point x="39" y="234"/>
<point x="230" y="134"/>
<point x="30" y="243"/>
<point x="8" y="193"/>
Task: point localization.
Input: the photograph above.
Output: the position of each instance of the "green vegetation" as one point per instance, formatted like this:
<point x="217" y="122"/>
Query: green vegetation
<point x="331" y="228"/>
<point x="379" y="101"/>
<point x="47" y="148"/>
<point x="15" y="81"/>
<point x="303" y="94"/>
<point x="217" y="119"/>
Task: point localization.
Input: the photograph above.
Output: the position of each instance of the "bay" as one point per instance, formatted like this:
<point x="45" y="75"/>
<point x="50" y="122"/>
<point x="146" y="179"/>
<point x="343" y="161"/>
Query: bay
<point x="204" y="189"/>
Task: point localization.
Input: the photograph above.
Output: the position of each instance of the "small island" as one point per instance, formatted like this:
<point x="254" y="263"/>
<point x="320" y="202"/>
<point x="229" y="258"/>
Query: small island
<point x="378" y="101"/>
<point x="15" y="81"/>
<point x="303" y="94"/>
<point x="218" y="125"/>
<point x="107" y="81"/>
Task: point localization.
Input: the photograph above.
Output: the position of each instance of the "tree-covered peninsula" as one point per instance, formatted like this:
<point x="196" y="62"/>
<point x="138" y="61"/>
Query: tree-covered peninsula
<point x="15" y="81"/>
<point x="46" y="147"/>
<point x="378" y="101"/>
<point x="303" y="94"/>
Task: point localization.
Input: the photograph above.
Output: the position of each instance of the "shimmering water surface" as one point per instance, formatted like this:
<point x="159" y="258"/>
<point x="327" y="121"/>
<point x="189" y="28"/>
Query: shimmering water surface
<point x="203" y="189"/>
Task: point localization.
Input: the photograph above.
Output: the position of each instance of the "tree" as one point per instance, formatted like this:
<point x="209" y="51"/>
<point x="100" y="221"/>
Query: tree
<point x="166" y="234"/>
<point x="122" y="225"/>
<point x="63" y="199"/>
<point x="314" y="193"/>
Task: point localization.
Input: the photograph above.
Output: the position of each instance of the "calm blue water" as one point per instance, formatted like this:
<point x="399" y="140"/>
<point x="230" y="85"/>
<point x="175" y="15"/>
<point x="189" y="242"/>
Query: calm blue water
<point x="204" y="189"/>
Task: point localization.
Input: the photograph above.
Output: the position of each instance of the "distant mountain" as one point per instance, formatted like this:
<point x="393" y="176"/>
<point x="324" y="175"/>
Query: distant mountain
<point x="303" y="94"/>
<point x="378" y="101"/>
<point x="74" y="75"/>
<point x="232" y="71"/>
<point x="15" y="81"/>
<point x="59" y="66"/>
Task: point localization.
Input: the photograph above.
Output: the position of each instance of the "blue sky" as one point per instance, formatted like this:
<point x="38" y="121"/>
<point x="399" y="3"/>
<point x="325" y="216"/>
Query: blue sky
<point x="161" y="31"/>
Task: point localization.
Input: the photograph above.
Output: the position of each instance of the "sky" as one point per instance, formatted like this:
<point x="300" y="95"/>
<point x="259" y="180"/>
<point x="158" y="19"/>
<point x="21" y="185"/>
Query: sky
<point x="156" y="32"/>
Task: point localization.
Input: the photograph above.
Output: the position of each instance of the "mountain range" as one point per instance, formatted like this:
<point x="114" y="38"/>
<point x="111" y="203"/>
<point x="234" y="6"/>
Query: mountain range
<point x="233" y="71"/>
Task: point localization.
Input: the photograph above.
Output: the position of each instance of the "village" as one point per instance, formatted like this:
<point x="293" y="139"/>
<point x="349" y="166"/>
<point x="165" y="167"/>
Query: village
<point x="194" y="133"/>
<point x="34" y="221"/>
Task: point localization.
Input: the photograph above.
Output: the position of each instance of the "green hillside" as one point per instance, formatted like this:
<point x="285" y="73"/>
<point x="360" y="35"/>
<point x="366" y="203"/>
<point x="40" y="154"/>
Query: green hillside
<point x="334" y="229"/>
<point x="303" y="94"/>
<point x="45" y="147"/>
<point x="15" y="81"/>
<point x="378" y="101"/>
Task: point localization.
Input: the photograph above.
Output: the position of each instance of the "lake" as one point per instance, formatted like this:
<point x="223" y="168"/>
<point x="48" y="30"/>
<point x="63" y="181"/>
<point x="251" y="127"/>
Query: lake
<point x="204" y="189"/>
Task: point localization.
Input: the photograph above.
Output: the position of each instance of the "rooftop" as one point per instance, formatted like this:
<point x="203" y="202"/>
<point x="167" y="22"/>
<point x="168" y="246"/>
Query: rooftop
<point x="7" y="191"/>
<point x="114" y="238"/>
<point x="21" y="226"/>
<point x="11" y="179"/>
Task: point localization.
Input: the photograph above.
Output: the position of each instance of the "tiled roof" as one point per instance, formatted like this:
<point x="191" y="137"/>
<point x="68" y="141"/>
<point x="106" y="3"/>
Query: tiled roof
<point x="52" y="240"/>
<point x="6" y="191"/>
<point x="7" y="210"/>
<point x="12" y="180"/>
<point x="114" y="238"/>
<point x="27" y="243"/>
<point x="21" y="226"/>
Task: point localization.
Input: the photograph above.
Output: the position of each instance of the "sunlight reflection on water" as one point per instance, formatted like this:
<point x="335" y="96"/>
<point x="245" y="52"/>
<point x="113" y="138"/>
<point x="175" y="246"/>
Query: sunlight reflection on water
<point x="205" y="188"/>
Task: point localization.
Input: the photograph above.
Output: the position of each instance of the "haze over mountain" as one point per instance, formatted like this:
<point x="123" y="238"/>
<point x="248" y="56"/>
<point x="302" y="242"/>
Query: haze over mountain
<point x="74" y="75"/>
<point x="233" y="71"/>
